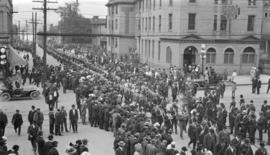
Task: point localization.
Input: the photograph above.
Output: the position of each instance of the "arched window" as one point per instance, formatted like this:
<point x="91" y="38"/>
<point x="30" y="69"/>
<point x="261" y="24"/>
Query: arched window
<point x="211" y="56"/>
<point x="228" y="56"/>
<point x="168" y="55"/>
<point x="248" y="56"/>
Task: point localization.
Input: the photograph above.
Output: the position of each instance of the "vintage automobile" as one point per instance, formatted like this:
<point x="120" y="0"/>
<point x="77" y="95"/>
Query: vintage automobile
<point x="21" y="93"/>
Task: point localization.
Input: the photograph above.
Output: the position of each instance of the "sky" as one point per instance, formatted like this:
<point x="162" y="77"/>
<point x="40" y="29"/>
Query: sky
<point x="88" y="8"/>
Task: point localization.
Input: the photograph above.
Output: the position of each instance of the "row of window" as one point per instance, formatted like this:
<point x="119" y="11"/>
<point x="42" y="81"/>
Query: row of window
<point x="248" y="56"/>
<point x="149" y="22"/>
<point x="149" y="4"/>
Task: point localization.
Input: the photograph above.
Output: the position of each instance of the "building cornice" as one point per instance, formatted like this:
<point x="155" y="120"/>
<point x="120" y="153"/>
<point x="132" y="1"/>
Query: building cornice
<point x="211" y="41"/>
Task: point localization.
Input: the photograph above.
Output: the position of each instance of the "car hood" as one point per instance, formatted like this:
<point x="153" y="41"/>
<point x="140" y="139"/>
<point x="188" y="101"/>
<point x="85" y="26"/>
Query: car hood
<point x="29" y="88"/>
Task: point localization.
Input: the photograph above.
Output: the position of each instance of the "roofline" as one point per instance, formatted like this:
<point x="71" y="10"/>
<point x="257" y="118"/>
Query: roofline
<point x="118" y="2"/>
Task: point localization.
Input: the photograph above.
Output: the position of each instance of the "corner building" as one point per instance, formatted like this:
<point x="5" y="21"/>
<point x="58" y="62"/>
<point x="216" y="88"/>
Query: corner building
<point x="171" y="33"/>
<point x="120" y="27"/>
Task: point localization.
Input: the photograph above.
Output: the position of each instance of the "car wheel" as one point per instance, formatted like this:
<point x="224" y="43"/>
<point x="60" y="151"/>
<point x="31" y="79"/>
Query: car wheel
<point x="34" y="95"/>
<point x="5" y="97"/>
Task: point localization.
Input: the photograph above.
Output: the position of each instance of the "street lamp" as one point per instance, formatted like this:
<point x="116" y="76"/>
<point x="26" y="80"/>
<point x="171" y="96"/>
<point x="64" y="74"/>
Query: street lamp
<point x="203" y="55"/>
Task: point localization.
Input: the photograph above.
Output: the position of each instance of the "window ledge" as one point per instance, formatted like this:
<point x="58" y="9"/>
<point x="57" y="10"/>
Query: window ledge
<point x="191" y="31"/>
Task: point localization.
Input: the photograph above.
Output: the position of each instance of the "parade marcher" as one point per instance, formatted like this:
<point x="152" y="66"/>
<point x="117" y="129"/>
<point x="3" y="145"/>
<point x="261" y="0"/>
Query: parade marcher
<point x="17" y="121"/>
<point x="254" y="85"/>
<point x="40" y="143"/>
<point x="58" y="120"/>
<point x="252" y="126"/>
<point x="64" y="119"/>
<point x="3" y="123"/>
<point x="192" y="133"/>
<point x="31" y="114"/>
<point x="261" y="125"/>
<point x="73" y="117"/>
<point x="32" y="135"/>
<point x="38" y="118"/>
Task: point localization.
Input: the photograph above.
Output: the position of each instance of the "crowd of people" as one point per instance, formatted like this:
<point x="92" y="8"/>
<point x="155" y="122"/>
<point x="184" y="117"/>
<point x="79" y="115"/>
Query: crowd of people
<point x="143" y="107"/>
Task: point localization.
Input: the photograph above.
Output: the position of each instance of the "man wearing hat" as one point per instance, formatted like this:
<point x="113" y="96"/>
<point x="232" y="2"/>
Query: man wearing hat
<point x="262" y="150"/>
<point x="17" y="121"/>
<point x="40" y="143"/>
<point x="183" y="150"/>
<point x="121" y="148"/>
<point x="48" y="145"/>
<point x="73" y="116"/>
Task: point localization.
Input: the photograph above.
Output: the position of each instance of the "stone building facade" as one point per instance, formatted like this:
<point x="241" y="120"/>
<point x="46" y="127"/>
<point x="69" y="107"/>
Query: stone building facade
<point x="171" y="32"/>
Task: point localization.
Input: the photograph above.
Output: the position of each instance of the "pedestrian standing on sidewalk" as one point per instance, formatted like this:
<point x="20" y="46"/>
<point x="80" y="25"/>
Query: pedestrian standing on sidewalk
<point x="73" y="116"/>
<point x="17" y="121"/>
<point x="64" y="119"/>
<point x="58" y="119"/>
<point x="259" y="84"/>
<point x="32" y="135"/>
<point x="31" y="114"/>
<point x="39" y="118"/>
<point x="268" y="88"/>
<point x="3" y="123"/>
<point x="234" y="87"/>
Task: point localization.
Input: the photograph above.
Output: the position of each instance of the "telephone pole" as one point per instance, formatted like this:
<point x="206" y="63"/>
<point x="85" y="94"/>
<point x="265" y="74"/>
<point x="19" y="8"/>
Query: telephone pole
<point x="34" y="23"/>
<point x="44" y="9"/>
<point x="26" y="30"/>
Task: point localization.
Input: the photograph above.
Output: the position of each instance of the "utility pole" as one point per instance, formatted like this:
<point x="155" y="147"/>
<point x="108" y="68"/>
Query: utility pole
<point x="19" y="30"/>
<point x="26" y="30"/>
<point x="44" y="9"/>
<point x="34" y="23"/>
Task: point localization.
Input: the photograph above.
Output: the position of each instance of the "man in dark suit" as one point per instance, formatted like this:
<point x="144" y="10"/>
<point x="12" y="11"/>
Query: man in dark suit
<point x="259" y="84"/>
<point x="31" y="115"/>
<point x="73" y="117"/>
<point x="17" y="121"/>
<point x="3" y="123"/>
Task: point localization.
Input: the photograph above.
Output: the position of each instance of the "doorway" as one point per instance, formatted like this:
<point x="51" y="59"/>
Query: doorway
<point x="189" y="57"/>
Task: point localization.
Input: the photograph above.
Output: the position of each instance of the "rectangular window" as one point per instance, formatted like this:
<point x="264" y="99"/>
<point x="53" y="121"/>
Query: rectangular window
<point x="146" y="22"/>
<point x="154" y="23"/>
<point x="191" y="21"/>
<point x="159" y="23"/>
<point x="149" y="20"/>
<point x="154" y="4"/>
<point x="142" y="23"/>
<point x="112" y="9"/>
<point x="216" y="1"/>
<point x="265" y="15"/>
<point x="116" y="9"/>
<point x="170" y="21"/>
<point x="192" y="1"/>
<point x="160" y="3"/>
<point x="139" y="24"/>
<point x="116" y="42"/>
<point x="170" y="2"/>
<point x="112" y="25"/>
<point x="153" y="49"/>
<point x="224" y="1"/>
<point x="251" y="2"/>
<point x="116" y="24"/>
<point x="159" y="50"/>
<point x="251" y="21"/>
<point x="215" y="23"/>
<point x="223" y="23"/>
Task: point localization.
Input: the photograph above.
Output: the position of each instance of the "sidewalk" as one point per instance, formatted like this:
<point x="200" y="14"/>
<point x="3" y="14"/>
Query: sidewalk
<point x="243" y="80"/>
